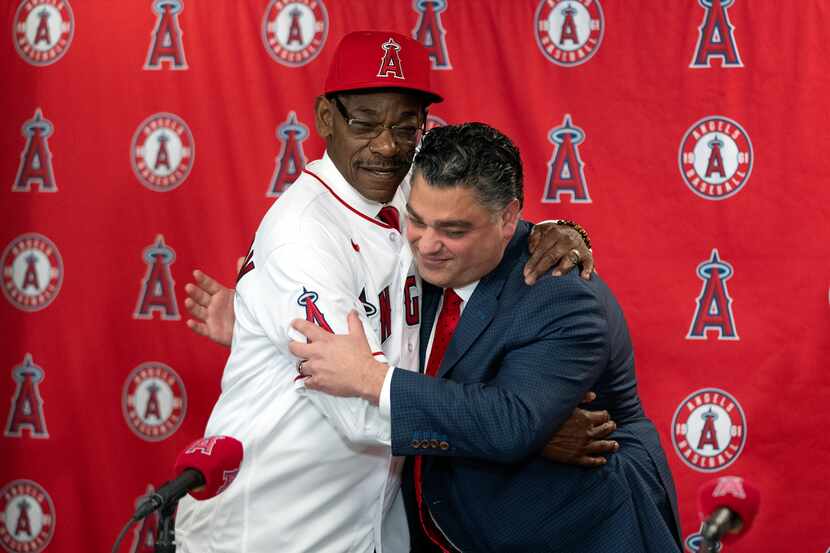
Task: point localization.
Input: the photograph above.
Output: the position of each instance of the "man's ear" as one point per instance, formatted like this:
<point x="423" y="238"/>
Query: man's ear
<point x="323" y="117"/>
<point x="510" y="218"/>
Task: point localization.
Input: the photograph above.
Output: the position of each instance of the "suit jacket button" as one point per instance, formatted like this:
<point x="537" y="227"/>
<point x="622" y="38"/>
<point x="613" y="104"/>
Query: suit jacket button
<point x="433" y="444"/>
<point x="416" y="444"/>
<point x="444" y="445"/>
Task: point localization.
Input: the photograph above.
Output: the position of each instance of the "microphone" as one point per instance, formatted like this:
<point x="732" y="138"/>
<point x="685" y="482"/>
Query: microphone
<point x="205" y="468"/>
<point x="727" y="506"/>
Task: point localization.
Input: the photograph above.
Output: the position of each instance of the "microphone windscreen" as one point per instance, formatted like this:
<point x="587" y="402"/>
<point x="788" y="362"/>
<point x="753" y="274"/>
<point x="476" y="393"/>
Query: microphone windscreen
<point x="732" y="492"/>
<point x="217" y="458"/>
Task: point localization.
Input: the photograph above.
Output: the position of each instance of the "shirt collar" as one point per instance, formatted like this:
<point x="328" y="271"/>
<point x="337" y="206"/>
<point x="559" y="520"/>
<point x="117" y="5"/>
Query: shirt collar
<point x="334" y="179"/>
<point x="466" y="292"/>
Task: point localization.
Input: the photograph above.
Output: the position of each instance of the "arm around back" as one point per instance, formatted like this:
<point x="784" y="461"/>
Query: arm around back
<point x="516" y="384"/>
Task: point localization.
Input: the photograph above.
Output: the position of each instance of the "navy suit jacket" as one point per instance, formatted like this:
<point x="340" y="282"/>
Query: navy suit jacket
<point x="520" y="360"/>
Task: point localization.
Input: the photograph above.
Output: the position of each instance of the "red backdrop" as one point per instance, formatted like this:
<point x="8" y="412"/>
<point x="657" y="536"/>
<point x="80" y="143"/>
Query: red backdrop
<point x="144" y="139"/>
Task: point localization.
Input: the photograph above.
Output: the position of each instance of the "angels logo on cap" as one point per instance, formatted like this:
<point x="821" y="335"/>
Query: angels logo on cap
<point x="390" y="65"/>
<point x="43" y="30"/>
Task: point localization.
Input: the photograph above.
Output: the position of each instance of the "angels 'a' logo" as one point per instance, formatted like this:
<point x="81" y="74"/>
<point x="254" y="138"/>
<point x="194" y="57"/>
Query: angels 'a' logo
<point x="291" y="160"/>
<point x="569" y="32"/>
<point x="565" y="175"/>
<point x="162" y="152"/>
<point x="204" y="445"/>
<point x="709" y="430"/>
<point x="295" y="32"/>
<point x="715" y="158"/>
<point x="27" y="517"/>
<point x="42" y="30"/>
<point x="714" y="305"/>
<point x="390" y="62"/>
<point x="716" y="36"/>
<point x="36" y="159"/>
<point x="32" y="272"/>
<point x="368" y="307"/>
<point x="145" y="532"/>
<point x="430" y="32"/>
<point x="694" y="542"/>
<point x="157" y="288"/>
<point x="154" y="401"/>
<point x="26" y="412"/>
<point x="730" y="485"/>
<point x="166" y="38"/>
<point x="228" y="476"/>
<point x="308" y="299"/>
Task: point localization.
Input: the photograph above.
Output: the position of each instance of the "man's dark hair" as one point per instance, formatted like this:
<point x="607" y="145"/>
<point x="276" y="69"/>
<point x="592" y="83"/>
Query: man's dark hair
<point x="474" y="155"/>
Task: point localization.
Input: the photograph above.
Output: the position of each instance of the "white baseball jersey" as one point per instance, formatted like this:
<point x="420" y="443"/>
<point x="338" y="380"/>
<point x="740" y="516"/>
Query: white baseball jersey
<point x="314" y="477"/>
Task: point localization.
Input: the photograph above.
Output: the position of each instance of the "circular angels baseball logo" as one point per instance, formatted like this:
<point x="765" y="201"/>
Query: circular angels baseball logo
<point x="709" y="430"/>
<point x="28" y="522"/>
<point x="42" y="30"/>
<point x="715" y="158"/>
<point x="569" y="32"/>
<point x="32" y="272"/>
<point x="162" y="152"/>
<point x="295" y="32"/>
<point x="154" y="401"/>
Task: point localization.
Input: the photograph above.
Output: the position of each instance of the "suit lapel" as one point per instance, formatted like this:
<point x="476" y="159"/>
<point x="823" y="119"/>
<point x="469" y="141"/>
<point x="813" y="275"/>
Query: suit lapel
<point x="483" y="304"/>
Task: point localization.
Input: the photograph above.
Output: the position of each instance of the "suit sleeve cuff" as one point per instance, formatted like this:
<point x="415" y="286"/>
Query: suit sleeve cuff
<point x="385" y="402"/>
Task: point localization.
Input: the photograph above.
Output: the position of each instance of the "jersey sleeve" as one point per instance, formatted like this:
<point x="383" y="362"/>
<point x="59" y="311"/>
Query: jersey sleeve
<point x="315" y="280"/>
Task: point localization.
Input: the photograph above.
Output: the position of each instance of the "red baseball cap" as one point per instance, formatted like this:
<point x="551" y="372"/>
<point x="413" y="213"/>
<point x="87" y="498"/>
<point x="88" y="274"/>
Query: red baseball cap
<point x="380" y="59"/>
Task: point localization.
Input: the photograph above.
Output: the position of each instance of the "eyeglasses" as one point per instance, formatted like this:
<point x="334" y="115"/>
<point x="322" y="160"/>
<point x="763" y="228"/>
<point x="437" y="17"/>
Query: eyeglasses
<point x="366" y="130"/>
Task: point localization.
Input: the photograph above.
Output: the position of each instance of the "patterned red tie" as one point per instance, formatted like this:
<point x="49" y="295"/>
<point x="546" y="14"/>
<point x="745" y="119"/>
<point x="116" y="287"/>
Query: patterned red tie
<point x="389" y="215"/>
<point x="444" y="328"/>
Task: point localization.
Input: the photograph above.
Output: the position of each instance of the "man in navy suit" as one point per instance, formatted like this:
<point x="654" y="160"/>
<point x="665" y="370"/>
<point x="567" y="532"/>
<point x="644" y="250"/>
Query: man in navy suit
<point x="505" y="364"/>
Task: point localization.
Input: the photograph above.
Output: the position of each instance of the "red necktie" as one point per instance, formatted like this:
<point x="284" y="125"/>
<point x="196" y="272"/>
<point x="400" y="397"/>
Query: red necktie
<point x="389" y="215"/>
<point x="444" y="328"/>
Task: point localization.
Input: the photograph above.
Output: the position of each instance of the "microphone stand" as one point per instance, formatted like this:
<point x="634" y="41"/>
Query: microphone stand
<point x="166" y="538"/>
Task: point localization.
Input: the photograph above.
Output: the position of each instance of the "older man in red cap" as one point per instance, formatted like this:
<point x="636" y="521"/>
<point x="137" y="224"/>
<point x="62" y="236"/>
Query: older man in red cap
<point x="314" y="477"/>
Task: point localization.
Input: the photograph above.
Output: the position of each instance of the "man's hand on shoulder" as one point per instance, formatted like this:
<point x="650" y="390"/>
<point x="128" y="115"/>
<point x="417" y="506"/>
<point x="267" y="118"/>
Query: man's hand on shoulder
<point x="558" y="246"/>
<point x="581" y="439"/>
<point x="211" y="305"/>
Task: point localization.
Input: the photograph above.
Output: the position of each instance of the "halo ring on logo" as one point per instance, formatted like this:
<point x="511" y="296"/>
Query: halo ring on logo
<point x="305" y="296"/>
<point x="177" y="397"/>
<point x="558" y="134"/>
<point x="299" y="130"/>
<point x="47" y="249"/>
<point x="737" y="425"/>
<point x="745" y="160"/>
<point x="21" y="40"/>
<point x="554" y="53"/>
<point x="45" y="517"/>
<point x="724" y="3"/>
<point x="438" y="5"/>
<point x="184" y="148"/>
<point x="175" y="6"/>
<point x="307" y="53"/>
